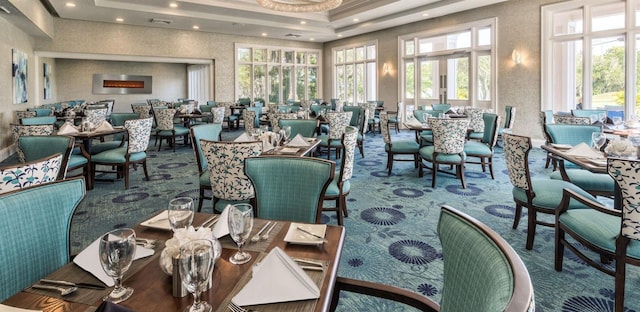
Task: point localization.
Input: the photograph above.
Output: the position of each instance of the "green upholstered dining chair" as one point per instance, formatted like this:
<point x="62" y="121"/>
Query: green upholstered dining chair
<point x="609" y="233"/>
<point x="589" y="113"/>
<point x="21" y="130"/>
<point x="476" y="122"/>
<point x="538" y="195"/>
<point x="341" y="187"/>
<point x="257" y="112"/>
<point x="134" y="152"/>
<point x="305" y="180"/>
<point x="31" y="121"/>
<point x="545" y="118"/>
<point x="210" y="132"/>
<point x="398" y="147"/>
<point x="40" y="171"/>
<point x="483" y="149"/>
<point x="441" y="107"/>
<point x="482" y="272"/>
<point x="165" y="127"/>
<point x="24" y="114"/>
<point x="225" y="162"/>
<point x="305" y="127"/>
<point x="338" y="122"/>
<point x="509" y="119"/>
<point x="448" y="147"/>
<point x="358" y="120"/>
<point x="395" y="117"/>
<point x="571" y="120"/>
<point x="373" y="116"/>
<point x="425" y="137"/>
<point x="118" y="139"/>
<point x="35" y="242"/>
<point x="206" y="109"/>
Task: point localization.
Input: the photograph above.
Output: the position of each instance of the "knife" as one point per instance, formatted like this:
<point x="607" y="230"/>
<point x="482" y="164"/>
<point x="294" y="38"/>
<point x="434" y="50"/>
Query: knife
<point x="80" y="285"/>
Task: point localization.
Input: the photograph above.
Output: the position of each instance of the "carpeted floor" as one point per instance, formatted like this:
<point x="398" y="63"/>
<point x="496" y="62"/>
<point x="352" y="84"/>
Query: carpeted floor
<point x="391" y="228"/>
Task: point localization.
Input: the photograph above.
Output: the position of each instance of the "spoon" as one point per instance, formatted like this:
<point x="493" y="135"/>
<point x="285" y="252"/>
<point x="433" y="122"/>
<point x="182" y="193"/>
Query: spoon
<point x="265" y="236"/>
<point x="256" y="237"/>
<point x="63" y="291"/>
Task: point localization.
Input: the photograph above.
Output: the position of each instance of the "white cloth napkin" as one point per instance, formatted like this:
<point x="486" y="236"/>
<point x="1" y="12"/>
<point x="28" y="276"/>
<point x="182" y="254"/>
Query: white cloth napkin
<point x="104" y="126"/>
<point x="414" y="123"/>
<point x="222" y="226"/>
<point x="584" y="150"/>
<point x="277" y="279"/>
<point x="266" y="145"/>
<point x="67" y="128"/>
<point x="244" y="137"/>
<point x="6" y="308"/>
<point x="89" y="260"/>
<point x="298" y="140"/>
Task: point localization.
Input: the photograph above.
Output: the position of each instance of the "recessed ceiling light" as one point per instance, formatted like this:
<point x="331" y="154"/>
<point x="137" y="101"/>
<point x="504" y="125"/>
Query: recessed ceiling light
<point x="119" y="19"/>
<point x="312" y="39"/>
<point x="173" y="5"/>
<point x="425" y="14"/>
<point x="196" y="27"/>
<point x="264" y="34"/>
<point x="70" y="4"/>
<point x="356" y="20"/>
<point x="303" y="22"/>
<point x="339" y="35"/>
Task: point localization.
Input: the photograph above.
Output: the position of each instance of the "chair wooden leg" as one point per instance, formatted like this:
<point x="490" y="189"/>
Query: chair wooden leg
<point x="491" y="168"/>
<point x="200" y="199"/>
<point x="126" y="176"/>
<point x="531" y="228"/>
<point x="420" y="169"/>
<point x="144" y="168"/>
<point x="93" y="174"/>
<point x="559" y="249"/>
<point x="389" y="162"/>
<point x="621" y="253"/>
<point x="516" y="216"/>
<point x="434" y="173"/>
<point x="345" y="212"/>
<point x="339" y="211"/>
<point x="173" y="139"/>
<point x="461" y="174"/>
<point x="160" y="145"/>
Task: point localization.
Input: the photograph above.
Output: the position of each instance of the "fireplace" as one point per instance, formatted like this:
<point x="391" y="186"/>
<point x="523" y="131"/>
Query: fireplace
<point x="121" y="84"/>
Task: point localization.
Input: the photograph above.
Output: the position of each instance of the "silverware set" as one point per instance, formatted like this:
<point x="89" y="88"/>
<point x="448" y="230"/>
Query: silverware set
<point x="145" y="242"/>
<point x="59" y="286"/>
<point x="210" y="222"/>
<point x="264" y="232"/>
<point x="236" y="308"/>
<point x="310" y="265"/>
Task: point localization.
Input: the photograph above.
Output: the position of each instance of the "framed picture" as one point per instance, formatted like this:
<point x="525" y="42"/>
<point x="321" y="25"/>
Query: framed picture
<point x="19" y="75"/>
<point x="46" y="69"/>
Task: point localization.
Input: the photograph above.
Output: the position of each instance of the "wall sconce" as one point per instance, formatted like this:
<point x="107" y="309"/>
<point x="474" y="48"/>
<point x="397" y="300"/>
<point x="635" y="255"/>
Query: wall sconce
<point x="516" y="57"/>
<point x="385" y="68"/>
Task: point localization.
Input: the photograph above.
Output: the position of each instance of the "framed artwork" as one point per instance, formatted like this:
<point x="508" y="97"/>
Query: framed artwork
<point x="46" y="69"/>
<point x="19" y="75"/>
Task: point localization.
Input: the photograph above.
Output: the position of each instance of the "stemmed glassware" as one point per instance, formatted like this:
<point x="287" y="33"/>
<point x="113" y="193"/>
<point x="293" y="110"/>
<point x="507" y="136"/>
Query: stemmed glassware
<point x="197" y="259"/>
<point x="116" y="250"/>
<point x="180" y="212"/>
<point x="275" y="138"/>
<point x="240" y="224"/>
<point x="617" y="121"/>
<point x="286" y="134"/>
<point x="425" y="119"/>
<point x="598" y="139"/>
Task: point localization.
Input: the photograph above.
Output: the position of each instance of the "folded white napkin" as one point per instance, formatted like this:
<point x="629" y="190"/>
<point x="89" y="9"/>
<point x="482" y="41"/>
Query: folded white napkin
<point x="584" y="150"/>
<point x="67" y="128"/>
<point x="298" y="140"/>
<point x="266" y="145"/>
<point x="6" y="308"/>
<point x="222" y="226"/>
<point x="104" y="126"/>
<point x="89" y="260"/>
<point x="244" y="137"/>
<point x="277" y="279"/>
<point x="414" y="122"/>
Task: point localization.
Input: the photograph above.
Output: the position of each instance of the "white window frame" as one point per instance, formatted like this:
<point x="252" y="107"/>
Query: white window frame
<point x="368" y="82"/>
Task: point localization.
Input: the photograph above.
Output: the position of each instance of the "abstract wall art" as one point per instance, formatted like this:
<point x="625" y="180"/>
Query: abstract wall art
<point x="46" y="69"/>
<point x="19" y="74"/>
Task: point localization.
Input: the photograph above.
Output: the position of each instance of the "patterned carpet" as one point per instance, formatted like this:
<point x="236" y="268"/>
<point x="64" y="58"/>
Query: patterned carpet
<point x="391" y="228"/>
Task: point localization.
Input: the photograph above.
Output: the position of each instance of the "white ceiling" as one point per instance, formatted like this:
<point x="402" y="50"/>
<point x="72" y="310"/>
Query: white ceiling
<point x="245" y="17"/>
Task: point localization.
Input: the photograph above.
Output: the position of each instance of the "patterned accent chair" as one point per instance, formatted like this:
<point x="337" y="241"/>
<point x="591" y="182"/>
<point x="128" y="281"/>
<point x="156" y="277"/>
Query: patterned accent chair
<point x="96" y="115"/>
<point x="118" y="139"/>
<point x="47" y="216"/>
<point x="395" y="117"/>
<point x="476" y="122"/>
<point x="482" y="272"/>
<point x="255" y="122"/>
<point x="305" y="127"/>
<point x="358" y="120"/>
<point x="571" y="120"/>
<point x="538" y="195"/>
<point x="373" y="116"/>
<point x="338" y="122"/>
<point x="401" y="147"/>
<point x="610" y="233"/>
<point x="225" y="162"/>
<point x="21" y="130"/>
<point x="483" y="149"/>
<point x="276" y="117"/>
<point x="448" y="147"/>
<point x="305" y="180"/>
<point x="133" y="153"/>
<point x="143" y="110"/>
<point x="340" y="187"/>
<point x="249" y="120"/>
<point x="167" y="129"/>
<point x="232" y="120"/>
<point x="41" y="171"/>
<point x="425" y="137"/>
<point x="24" y="114"/>
<point x="210" y="132"/>
<point x="218" y="114"/>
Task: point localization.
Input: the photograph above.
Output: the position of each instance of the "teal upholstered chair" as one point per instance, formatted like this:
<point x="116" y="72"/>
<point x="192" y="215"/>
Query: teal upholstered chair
<point x="483" y="149"/>
<point x="338" y="122"/>
<point x="441" y="107"/>
<point x="608" y="233"/>
<point x="305" y="180"/>
<point x="373" y="117"/>
<point x="233" y="121"/>
<point x="30" y="121"/>
<point x="305" y="127"/>
<point x="40" y="171"/>
<point x="318" y="110"/>
<point x="206" y="109"/>
<point x="481" y="272"/>
<point x="340" y="187"/>
<point x="134" y="152"/>
<point x="538" y="195"/>
<point x="41" y="111"/>
<point x="165" y="127"/>
<point x="218" y="114"/>
<point x="448" y="147"/>
<point x="509" y="119"/>
<point x="35" y="242"/>
<point x="210" y="132"/>
<point x="395" y="117"/>
<point x="257" y="110"/>
<point x="225" y="162"/>
<point x="398" y="147"/>
<point x="21" y="130"/>
<point x="118" y="139"/>
<point x="358" y="120"/>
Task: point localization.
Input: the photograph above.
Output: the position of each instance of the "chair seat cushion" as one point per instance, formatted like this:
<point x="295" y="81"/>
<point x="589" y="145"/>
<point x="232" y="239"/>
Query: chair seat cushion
<point x="427" y="153"/>
<point x="476" y="135"/>
<point x="404" y="146"/>
<point x="117" y="155"/>
<point x="231" y="118"/>
<point x="476" y="148"/>
<point x="76" y="161"/>
<point x="324" y="141"/>
<point x="549" y="194"/>
<point x="222" y="203"/>
<point x="393" y="119"/>
<point x="333" y="190"/>
<point x="179" y="130"/>
<point x="598" y="228"/>
<point x="588" y="180"/>
<point x="105" y="146"/>
<point x="204" y="179"/>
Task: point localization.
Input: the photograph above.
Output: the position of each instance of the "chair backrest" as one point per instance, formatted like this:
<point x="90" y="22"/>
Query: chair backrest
<point x="449" y="134"/>
<point x="588" y="112"/>
<point x="349" y="141"/>
<point x="143" y="110"/>
<point x="225" y="162"/>
<point x="625" y="173"/>
<point x="338" y="121"/>
<point x="546" y="117"/>
<point x="357" y="113"/>
<point x="118" y="119"/>
<point x="482" y="272"/>
<point x="95" y="116"/>
<point x="441" y="107"/>
<point x="21" y="130"/>
<point x="153" y="101"/>
<point x="476" y="123"/>
<point x="164" y="118"/>
<point x="305" y="127"/>
<point x="209" y="132"/>
<point x="139" y="132"/>
<point x="46" y="120"/>
<point x="249" y="120"/>
<point x="384" y="127"/>
<point x="218" y="114"/>
<point x="419" y="114"/>
<point x="275" y="117"/>
<point x="35" y="222"/>
<point x="227" y="107"/>
<point x="490" y="132"/>
<point x="41" y="111"/>
<point x="41" y="171"/>
<point x="571" y="134"/>
<point x="289" y="188"/>
<point x="509" y="116"/>
<point x="25" y="114"/>
<point x="516" y="154"/>
<point x="205" y="108"/>
<point x="41" y="146"/>
<point x="571" y="120"/>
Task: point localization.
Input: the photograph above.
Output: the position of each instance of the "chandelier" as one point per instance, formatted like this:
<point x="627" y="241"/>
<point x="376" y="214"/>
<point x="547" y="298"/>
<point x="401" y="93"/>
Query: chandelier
<point x="298" y="6"/>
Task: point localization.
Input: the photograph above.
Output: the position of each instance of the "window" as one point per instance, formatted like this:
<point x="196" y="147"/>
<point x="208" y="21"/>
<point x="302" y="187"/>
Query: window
<point x="356" y="74"/>
<point x="275" y="76"/>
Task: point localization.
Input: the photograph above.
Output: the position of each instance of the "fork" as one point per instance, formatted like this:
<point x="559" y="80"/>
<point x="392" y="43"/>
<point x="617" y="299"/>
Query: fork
<point x="63" y="291"/>
<point x="236" y="308"/>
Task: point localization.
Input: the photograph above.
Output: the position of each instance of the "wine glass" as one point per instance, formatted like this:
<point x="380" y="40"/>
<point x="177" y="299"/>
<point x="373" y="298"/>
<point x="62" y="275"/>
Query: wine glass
<point x="425" y="118"/>
<point x="196" y="262"/>
<point x="287" y="133"/>
<point x="180" y="212"/>
<point x="116" y="250"/>
<point x="240" y="223"/>
<point x="598" y="139"/>
<point x="617" y="121"/>
<point x="275" y="139"/>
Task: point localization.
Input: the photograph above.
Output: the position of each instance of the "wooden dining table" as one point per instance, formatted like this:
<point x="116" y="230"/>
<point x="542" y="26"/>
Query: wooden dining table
<point x="153" y="288"/>
<point x="295" y="150"/>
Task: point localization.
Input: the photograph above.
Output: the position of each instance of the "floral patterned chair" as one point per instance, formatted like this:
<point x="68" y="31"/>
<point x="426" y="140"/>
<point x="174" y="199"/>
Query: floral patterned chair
<point x="476" y="122"/>
<point x="571" y="120"/>
<point x="21" y="130"/>
<point x="232" y="120"/>
<point x="218" y="114"/>
<point x="403" y="147"/>
<point x="538" y="195"/>
<point x="24" y="114"/>
<point x="96" y="115"/>
<point x="167" y="129"/>
<point x="143" y="110"/>
<point x="448" y="147"/>
<point x="249" y="120"/>
<point x="338" y="122"/>
<point x="483" y="149"/>
<point x="274" y="119"/>
<point x="340" y="187"/>
<point x="134" y="152"/>
<point x="209" y="132"/>
<point x="41" y="171"/>
<point x="225" y="162"/>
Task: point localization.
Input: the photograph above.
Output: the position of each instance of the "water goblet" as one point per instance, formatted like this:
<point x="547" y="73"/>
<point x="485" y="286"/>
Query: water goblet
<point x="593" y="118"/>
<point x="602" y="117"/>
<point x="287" y="133"/>
<point x="240" y="224"/>
<point x="180" y="212"/>
<point x="617" y="121"/>
<point x="598" y="139"/>
<point x="275" y="139"/>
<point x="116" y="251"/>
<point x="196" y="262"/>
<point x="425" y="118"/>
